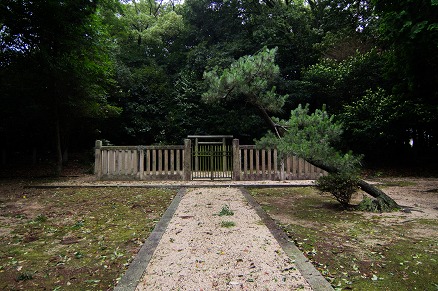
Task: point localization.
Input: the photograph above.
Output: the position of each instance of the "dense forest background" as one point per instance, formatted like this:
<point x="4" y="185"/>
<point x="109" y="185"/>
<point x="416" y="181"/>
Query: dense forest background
<point x="131" y="72"/>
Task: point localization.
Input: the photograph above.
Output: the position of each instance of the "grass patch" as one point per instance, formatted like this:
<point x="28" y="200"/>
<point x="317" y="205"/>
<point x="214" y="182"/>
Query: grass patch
<point x="226" y="211"/>
<point x="74" y="239"/>
<point x="354" y="250"/>
<point x="228" y="224"/>
<point x="401" y="183"/>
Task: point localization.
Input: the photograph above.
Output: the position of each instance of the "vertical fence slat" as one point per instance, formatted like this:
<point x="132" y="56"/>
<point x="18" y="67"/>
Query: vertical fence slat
<point x="275" y="158"/>
<point x="263" y="164"/>
<point x="166" y="162"/>
<point x="288" y="167"/>
<point x="257" y="164"/>
<point x="251" y="163"/>
<point x="105" y="162"/>
<point x="135" y="162"/>
<point x="111" y="163"/>
<point x="160" y="161"/>
<point x="172" y="162"/>
<point x="141" y="165"/>
<point x="119" y="162"/>
<point x="269" y="164"/>
<point x="154" y="161"/>
<point x="178" y="166"/>
<point x="148" y="162"/>
<point x="300" y="168"/>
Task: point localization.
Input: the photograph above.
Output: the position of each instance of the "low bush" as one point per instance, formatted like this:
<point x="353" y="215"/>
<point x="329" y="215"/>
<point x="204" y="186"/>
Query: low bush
<point x="340" y="185"/>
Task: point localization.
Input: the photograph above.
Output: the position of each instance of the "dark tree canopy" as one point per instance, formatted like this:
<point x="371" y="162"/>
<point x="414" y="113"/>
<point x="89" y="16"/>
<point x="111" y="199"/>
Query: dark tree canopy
<point x="132" y="72"/>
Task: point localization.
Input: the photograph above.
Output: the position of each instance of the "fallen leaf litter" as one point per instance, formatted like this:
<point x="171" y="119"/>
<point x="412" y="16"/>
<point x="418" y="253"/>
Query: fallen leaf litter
<point x="197" y="253"/>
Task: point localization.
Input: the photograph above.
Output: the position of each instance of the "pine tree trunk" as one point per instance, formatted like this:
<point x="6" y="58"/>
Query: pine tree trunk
<point x="378" y="194"/>
<point x="372" y="190"/>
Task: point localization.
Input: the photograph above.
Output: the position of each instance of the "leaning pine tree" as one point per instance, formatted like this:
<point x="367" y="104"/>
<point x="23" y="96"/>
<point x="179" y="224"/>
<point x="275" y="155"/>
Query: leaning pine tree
<point x="311" y="137"/>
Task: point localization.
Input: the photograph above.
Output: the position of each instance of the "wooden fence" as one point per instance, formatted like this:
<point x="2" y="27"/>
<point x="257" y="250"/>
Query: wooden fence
<point x="263" y="164"/>
<point x="175" y="163"/>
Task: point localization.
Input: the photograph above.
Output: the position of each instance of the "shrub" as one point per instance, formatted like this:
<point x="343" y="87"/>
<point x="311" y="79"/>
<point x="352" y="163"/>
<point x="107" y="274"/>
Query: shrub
<point x="340" y="185"/>
<point x="373" y="205"/>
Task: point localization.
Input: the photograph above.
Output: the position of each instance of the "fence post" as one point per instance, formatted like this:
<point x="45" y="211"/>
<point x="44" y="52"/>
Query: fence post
<point x="187" y="168"/>
<point x="236" y="160"/>
<point x="141" y="163"/>
<point x="282" y="173"/>
<point x="98" y="159"/>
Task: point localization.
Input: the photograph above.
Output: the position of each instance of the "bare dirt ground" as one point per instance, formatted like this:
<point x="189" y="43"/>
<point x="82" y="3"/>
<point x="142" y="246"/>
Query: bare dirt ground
<point x="419" y="196"/>
<point x="205" y="252"/>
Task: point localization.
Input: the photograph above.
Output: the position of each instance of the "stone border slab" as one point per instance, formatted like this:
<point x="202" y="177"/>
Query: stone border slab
<point x="173" y="186"/>
<point x="134" y="274"/>
<point x="312" y="275"/>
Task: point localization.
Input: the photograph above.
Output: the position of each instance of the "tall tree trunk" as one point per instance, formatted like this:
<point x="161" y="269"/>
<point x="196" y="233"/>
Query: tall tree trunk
<point x="58" y="148"/>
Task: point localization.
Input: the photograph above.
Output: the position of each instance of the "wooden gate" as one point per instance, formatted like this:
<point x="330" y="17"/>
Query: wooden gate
<point x="212" y="157"/>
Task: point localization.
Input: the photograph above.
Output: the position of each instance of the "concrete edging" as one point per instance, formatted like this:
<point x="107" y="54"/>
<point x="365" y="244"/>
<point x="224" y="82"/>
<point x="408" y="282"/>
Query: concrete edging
<point x="136" y="269"/>
<point x="309" y="272"/>
<point x="170" y="186"/>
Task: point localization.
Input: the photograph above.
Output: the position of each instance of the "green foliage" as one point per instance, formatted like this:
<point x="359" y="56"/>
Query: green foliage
<point x="149" y="22"/>
<point x="408" y="29"/>
<point x="228" y="224"/>
<point x="376" y="117"/>
<point x="312" y="137"/>
<point x="24" y="276"/>
<point x="337" y="83"/>
<point x="342" y="185"/>
<point x="373" y="205"/>
<point x="226" y="211"/>
<point x="41" y="218"/>
<point x="249" y="76"/>
<point x="56" y="71"/>
<point x="132" y="71"/>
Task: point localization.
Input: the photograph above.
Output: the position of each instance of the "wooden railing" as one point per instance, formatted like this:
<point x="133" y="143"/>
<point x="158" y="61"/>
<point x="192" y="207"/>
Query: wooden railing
<point x="263" y="164"/>
<point x="120" y="162"/>
<point x="161" y="162"/>
<point x="258" y="164"/>
<point x="174" y="163"/>
<point x="139" y="162"/>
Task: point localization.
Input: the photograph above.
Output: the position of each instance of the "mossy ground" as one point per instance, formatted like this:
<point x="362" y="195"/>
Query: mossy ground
<point x="354" y="250"/>
<point x="74" y="239"/>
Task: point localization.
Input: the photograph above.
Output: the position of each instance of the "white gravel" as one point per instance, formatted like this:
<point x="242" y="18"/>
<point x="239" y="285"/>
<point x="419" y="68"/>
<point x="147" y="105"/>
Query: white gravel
<point x="197" y="253"/>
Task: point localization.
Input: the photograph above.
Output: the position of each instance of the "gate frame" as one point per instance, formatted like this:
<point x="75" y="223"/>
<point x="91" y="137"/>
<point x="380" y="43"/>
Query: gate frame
<point x="228" y="155"/>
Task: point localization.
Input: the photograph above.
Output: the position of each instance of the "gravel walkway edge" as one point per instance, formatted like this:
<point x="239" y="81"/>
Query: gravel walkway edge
<point x="136" y="269"/>
<point x="309" y="272"/>
<point x="134" y="274"/>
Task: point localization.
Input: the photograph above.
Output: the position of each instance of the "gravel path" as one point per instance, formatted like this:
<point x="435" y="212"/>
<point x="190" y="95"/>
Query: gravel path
<point x="196" y="252"/>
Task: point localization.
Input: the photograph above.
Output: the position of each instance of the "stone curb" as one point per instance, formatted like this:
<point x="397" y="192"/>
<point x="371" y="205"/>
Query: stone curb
<point x="309" y="272"/>
<point x="175" y="186"/>
<point x="134" y="274"/>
